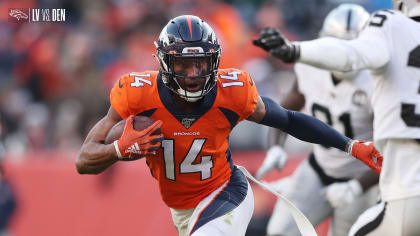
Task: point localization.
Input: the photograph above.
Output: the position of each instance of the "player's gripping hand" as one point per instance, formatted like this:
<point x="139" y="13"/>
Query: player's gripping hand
<point x="272" y="41"/>
<point x="276" y="157"/>
<point x="367" y="153"/>
<point x="135" y="144"/>
<point x="342" y="194"/>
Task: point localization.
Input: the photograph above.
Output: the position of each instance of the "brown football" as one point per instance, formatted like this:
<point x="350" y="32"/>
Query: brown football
<point x="140" y="123"/>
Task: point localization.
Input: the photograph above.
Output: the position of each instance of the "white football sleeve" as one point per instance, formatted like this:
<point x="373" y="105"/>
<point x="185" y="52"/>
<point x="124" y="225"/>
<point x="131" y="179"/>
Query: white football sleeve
<point x="368" y="51"/>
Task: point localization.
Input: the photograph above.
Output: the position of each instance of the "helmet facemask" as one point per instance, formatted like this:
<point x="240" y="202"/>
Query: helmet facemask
<point x="191" y="75"/>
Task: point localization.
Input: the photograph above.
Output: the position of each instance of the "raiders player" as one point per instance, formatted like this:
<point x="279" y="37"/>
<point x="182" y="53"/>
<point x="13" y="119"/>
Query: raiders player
<point x="342" y="101"/>
<point x="390" y="47"/>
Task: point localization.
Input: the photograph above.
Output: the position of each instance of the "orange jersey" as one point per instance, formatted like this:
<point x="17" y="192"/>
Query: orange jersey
<point x="194" y="159"/>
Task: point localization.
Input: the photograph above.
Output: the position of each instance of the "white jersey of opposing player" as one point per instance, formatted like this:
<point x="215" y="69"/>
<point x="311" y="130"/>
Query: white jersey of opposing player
<point x="396" y="99"/>
<point x="345" y="106"/>
<point x="390" y="47"/>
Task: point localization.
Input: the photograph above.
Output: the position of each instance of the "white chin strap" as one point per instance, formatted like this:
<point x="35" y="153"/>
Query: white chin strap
<point x="190" y="96"/>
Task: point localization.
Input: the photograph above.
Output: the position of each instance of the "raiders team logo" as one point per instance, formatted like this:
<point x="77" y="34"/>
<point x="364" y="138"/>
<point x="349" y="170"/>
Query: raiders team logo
<point x="187" y="122"/>
<point x="360" y="98"/>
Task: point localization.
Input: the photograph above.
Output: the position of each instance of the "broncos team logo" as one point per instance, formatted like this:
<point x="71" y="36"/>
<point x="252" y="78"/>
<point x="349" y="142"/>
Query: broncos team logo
<point x="18" y="14"/>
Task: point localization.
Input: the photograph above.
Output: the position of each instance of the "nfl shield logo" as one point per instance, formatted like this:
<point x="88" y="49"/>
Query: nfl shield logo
<point x="360" y="98"/>
<point x="187" y="122"/>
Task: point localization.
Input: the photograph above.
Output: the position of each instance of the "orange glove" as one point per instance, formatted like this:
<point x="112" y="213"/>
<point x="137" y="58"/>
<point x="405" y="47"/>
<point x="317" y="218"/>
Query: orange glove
<point x="367" y="153"/>
<point x="134" y="144"/>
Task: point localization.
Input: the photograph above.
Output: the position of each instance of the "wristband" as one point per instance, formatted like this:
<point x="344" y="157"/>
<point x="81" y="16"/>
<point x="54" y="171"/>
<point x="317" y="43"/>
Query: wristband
<point x="117" y="149"/>
<point x="349" y="147"/>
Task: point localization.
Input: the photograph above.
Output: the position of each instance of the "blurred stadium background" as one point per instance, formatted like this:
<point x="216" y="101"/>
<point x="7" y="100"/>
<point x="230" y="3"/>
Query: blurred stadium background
<point x="55" y="79"/>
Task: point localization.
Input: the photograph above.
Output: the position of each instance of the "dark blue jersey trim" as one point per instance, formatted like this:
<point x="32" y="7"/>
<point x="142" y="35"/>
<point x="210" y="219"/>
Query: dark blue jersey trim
<point x="229" y="159"/>
<point x="227" y="200"/>
<point x="165" y="96"/>
<point x="231" y="116"/>
<point x="148" y="165"/>
<point x="147" y="113"/>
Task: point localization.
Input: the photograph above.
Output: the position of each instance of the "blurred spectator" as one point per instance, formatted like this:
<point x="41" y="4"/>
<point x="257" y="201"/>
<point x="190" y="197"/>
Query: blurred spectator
<point x="7" y="199"/>
<point x="305" y="18"/>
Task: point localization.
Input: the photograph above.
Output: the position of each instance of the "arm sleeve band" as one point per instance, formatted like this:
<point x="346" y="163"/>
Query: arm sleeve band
<point x="301" y="126"/>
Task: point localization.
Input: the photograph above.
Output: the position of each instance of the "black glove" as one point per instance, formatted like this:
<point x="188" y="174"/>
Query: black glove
<point x="272" y="41"/>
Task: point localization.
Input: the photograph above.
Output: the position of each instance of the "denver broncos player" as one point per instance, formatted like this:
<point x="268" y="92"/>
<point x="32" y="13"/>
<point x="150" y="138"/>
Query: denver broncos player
<point x="196" y="105"/>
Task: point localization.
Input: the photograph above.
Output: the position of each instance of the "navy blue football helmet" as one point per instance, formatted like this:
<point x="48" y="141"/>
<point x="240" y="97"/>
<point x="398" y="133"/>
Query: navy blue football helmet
<point x="188" y="41"/>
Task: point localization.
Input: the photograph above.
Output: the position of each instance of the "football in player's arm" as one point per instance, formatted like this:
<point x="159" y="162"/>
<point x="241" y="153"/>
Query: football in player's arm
<point x="198" y="104"/>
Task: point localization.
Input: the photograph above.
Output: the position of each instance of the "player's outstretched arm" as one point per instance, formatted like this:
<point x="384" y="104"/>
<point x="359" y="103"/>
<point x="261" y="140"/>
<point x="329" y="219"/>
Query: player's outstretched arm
<point x="310" y="129"/>
<point x="94" y="156"/>
<point x="294" y="101"/>
<point x="276" y="157"/>
<point x="368" y="51"/>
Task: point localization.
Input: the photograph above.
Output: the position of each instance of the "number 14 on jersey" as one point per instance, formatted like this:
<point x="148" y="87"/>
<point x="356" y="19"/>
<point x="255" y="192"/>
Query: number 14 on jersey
<point x="187" y="165"/>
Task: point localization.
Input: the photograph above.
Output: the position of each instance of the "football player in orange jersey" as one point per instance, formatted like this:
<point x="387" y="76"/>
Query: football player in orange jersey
<point x="196" y="106"/>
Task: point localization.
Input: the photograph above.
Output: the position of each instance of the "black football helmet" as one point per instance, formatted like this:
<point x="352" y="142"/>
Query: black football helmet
<point x="188" y="41"/>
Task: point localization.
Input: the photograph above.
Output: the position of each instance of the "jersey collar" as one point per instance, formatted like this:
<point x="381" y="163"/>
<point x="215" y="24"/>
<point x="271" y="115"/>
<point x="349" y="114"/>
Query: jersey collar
<point x="170" y="105"/>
